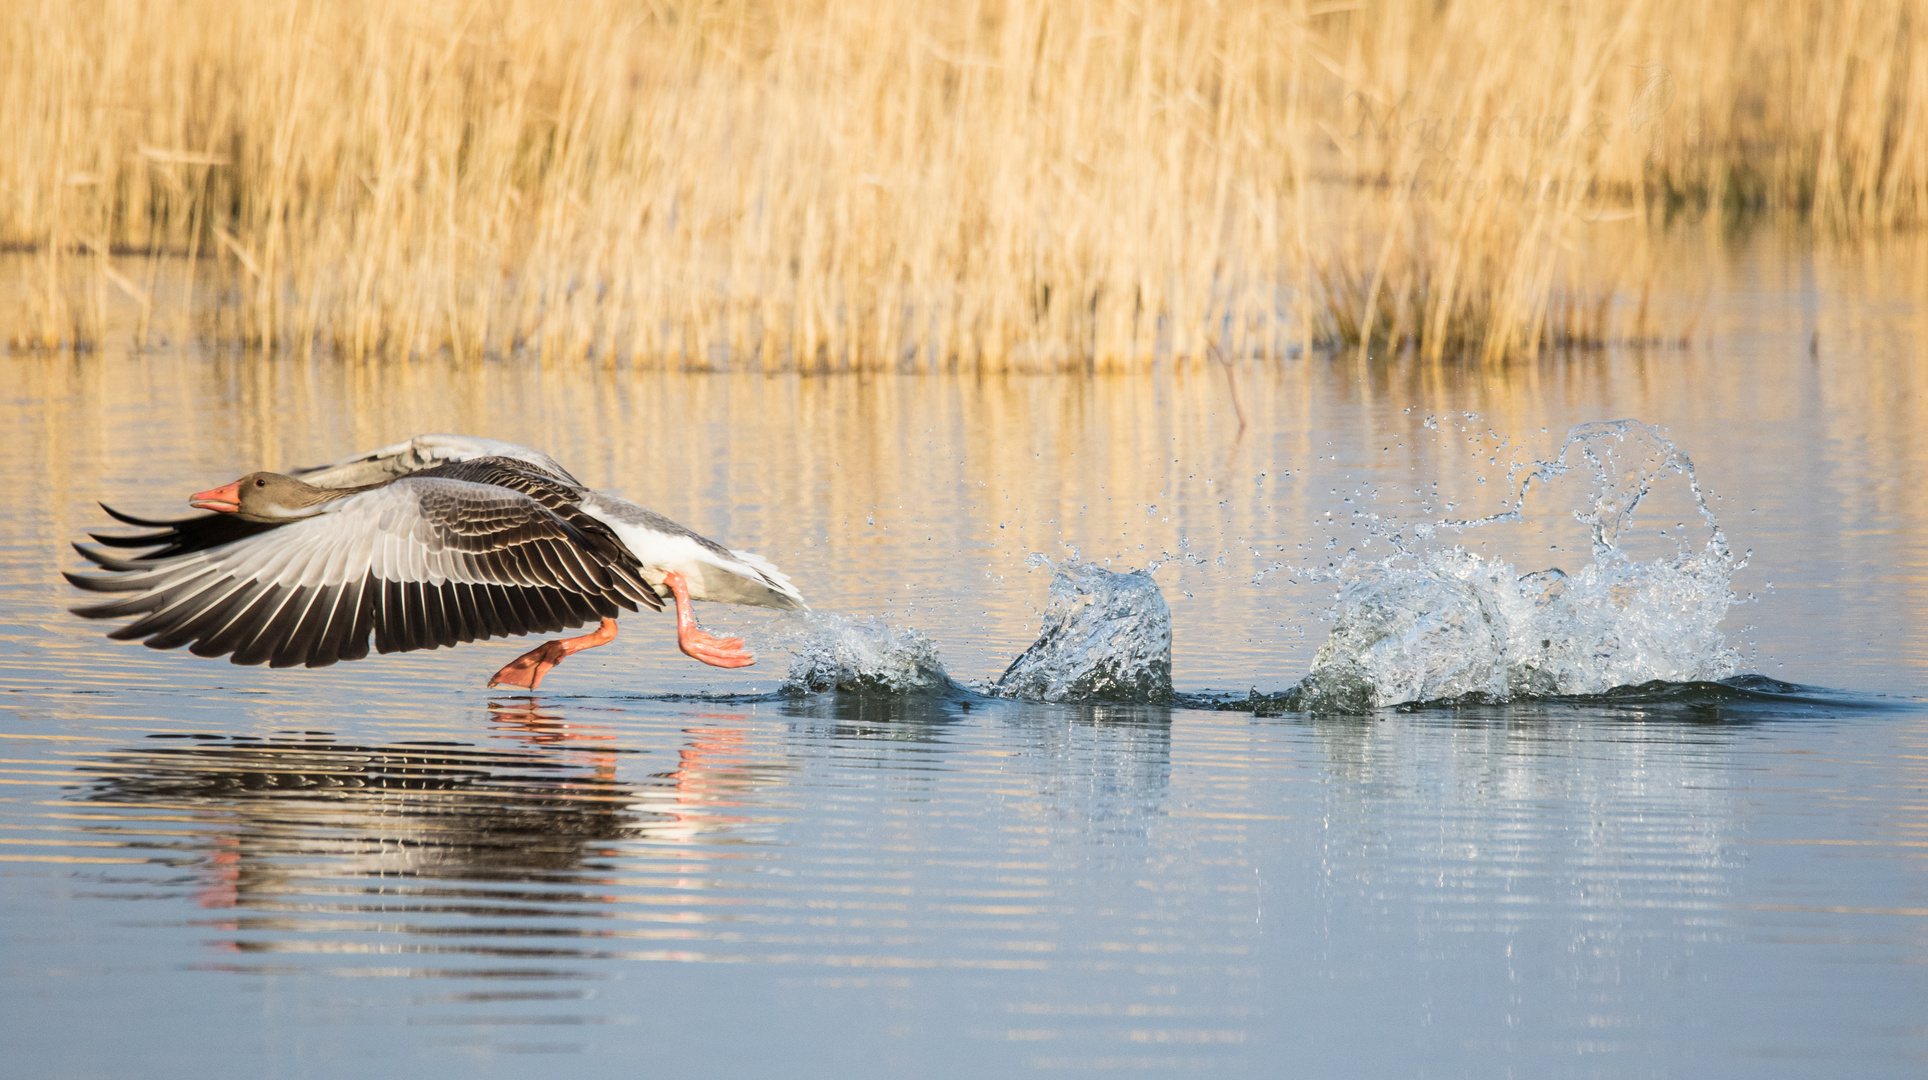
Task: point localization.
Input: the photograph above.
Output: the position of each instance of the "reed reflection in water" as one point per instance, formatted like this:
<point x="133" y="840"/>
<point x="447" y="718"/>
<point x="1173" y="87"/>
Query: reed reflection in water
<point x="919" y="498"/>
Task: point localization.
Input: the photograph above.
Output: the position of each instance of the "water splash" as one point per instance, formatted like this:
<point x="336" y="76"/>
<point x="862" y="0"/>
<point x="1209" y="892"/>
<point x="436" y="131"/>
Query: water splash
<point x="1429" y="625"/>
<point x="1106" y="637"/>
<point x="831" y="652"/>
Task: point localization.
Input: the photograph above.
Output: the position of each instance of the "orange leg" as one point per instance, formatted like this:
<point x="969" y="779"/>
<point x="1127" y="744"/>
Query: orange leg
<point x="700" y="644"/>
<point x="528" y="669"/>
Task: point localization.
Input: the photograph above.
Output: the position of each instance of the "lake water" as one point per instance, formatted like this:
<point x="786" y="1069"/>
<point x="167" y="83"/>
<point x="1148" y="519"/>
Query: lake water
<point x="381" y="868"/>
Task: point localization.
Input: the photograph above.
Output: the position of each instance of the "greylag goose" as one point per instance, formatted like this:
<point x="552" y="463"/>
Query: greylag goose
<point x="431" y="542"/>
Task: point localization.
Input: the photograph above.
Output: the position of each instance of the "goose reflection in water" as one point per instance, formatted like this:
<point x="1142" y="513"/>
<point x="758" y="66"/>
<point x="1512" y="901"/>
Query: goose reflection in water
<point x="307" y="814"/>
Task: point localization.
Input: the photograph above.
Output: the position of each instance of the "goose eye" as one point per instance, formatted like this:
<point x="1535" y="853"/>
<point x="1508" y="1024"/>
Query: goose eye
<point x="260" y="483"/>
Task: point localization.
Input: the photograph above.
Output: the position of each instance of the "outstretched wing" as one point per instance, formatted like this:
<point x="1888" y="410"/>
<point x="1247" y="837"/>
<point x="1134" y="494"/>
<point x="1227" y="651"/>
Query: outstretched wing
<point x="424" y="452"/>
<point x="419" y="564"/>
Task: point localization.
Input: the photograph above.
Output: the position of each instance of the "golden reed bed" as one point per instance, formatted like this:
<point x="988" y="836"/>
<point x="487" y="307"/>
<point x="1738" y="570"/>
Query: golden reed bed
<point x="876" y="184"/>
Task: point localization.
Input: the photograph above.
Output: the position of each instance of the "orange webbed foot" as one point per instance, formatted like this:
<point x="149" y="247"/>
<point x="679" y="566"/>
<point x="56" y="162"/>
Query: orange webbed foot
<point x="700" y="644"/>
<point x="528" y="669"/>
<point x="713" y="650"/>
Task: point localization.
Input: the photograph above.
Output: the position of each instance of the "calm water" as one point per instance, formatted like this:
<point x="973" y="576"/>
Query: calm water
<point x="653" y="867"/>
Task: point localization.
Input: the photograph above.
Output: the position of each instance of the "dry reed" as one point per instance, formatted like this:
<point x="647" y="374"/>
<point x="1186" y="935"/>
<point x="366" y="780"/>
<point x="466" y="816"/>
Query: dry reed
<point x="817" y="184"/>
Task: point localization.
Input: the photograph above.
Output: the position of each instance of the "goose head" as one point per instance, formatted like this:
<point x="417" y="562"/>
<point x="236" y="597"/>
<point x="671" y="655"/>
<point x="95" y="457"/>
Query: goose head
<point x="266" y="497"/>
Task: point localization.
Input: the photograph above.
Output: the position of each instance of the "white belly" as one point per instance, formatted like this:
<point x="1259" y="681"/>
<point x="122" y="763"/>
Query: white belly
<point x="730" y="577"/>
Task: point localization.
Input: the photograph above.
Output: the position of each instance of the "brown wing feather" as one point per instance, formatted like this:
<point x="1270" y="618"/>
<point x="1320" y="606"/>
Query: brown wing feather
<point x="559" y="496"/>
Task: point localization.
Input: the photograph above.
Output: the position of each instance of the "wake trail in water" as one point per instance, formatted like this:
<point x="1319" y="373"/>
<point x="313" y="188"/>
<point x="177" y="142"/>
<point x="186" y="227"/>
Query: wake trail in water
<point x="1107" y="636"/>
<point x="1423" y="624"/>
<point x="1427" y="625"/>
<point x="869" y="656"/>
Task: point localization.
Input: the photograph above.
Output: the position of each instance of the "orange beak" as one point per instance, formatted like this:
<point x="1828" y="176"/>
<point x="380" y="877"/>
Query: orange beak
<point x="226" y="500"/>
